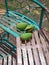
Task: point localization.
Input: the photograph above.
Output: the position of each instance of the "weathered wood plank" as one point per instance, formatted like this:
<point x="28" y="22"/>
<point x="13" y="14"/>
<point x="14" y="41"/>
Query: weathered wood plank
<point x="25" y="61"/>
<point x="14" y="61"/>
<point x="30" y="55"/>
<point x="41" y="34"/>
<point x="5" y="61"/>
<point x="44" y="44"/>
<point x="36" y="58"/>
<point x="42" y="59"/>
<point x="18" y="46"/>
<point x="0" y="61"/>
<point x="9" y="59"/>
<point x="45" y="33"/>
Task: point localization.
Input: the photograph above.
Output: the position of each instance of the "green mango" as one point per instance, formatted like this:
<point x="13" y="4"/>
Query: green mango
<point x="29" y="28"/>
<point x="21" y="26"/>
<point x="25" y="36"/>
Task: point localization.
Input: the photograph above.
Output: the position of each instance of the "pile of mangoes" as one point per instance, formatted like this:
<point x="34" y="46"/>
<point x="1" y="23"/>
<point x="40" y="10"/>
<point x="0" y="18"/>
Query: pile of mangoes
<point x="25" y="27"/>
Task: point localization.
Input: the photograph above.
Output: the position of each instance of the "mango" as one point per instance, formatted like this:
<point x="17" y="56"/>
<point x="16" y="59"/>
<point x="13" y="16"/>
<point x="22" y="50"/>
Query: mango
<point x="21" y="26"/>
<point x="29" y="28"/>
<point x="25" y="36"/>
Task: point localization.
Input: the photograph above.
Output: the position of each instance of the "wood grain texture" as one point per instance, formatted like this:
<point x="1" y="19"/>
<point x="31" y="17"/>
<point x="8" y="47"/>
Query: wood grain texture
<point x="32" y="52"/>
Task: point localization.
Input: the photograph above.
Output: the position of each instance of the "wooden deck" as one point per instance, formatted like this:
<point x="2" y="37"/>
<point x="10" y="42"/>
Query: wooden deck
<point x="33" y="52"/>
<point x="8" y="60"/>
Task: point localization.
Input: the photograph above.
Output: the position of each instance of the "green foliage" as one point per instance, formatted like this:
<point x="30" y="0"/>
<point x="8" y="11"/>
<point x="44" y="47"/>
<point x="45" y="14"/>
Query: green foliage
<point x="25" y="36"/>
<point x="29" y="28"/>
<point x="12" y="8"/>
<point x="21" y="26"/>
<point x="10" y="0"/>
<point x="2" y="6"/>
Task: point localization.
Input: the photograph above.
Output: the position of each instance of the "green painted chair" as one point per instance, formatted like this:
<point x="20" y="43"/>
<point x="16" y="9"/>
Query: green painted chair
<point x="11" y="18"/>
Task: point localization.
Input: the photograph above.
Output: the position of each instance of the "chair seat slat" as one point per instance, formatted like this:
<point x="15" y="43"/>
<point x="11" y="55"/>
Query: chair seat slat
<point x="44" y="44"/>
<point x="25" y="60"/>
<point x="30" y="55"/>
<point x="19" y="58"/>
<point x="41" y="55"/>
<point x="36" y="58"/>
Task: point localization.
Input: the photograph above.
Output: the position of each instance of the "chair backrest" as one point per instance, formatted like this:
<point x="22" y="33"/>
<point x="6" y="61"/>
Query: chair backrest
<point x="20" y="6"/>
